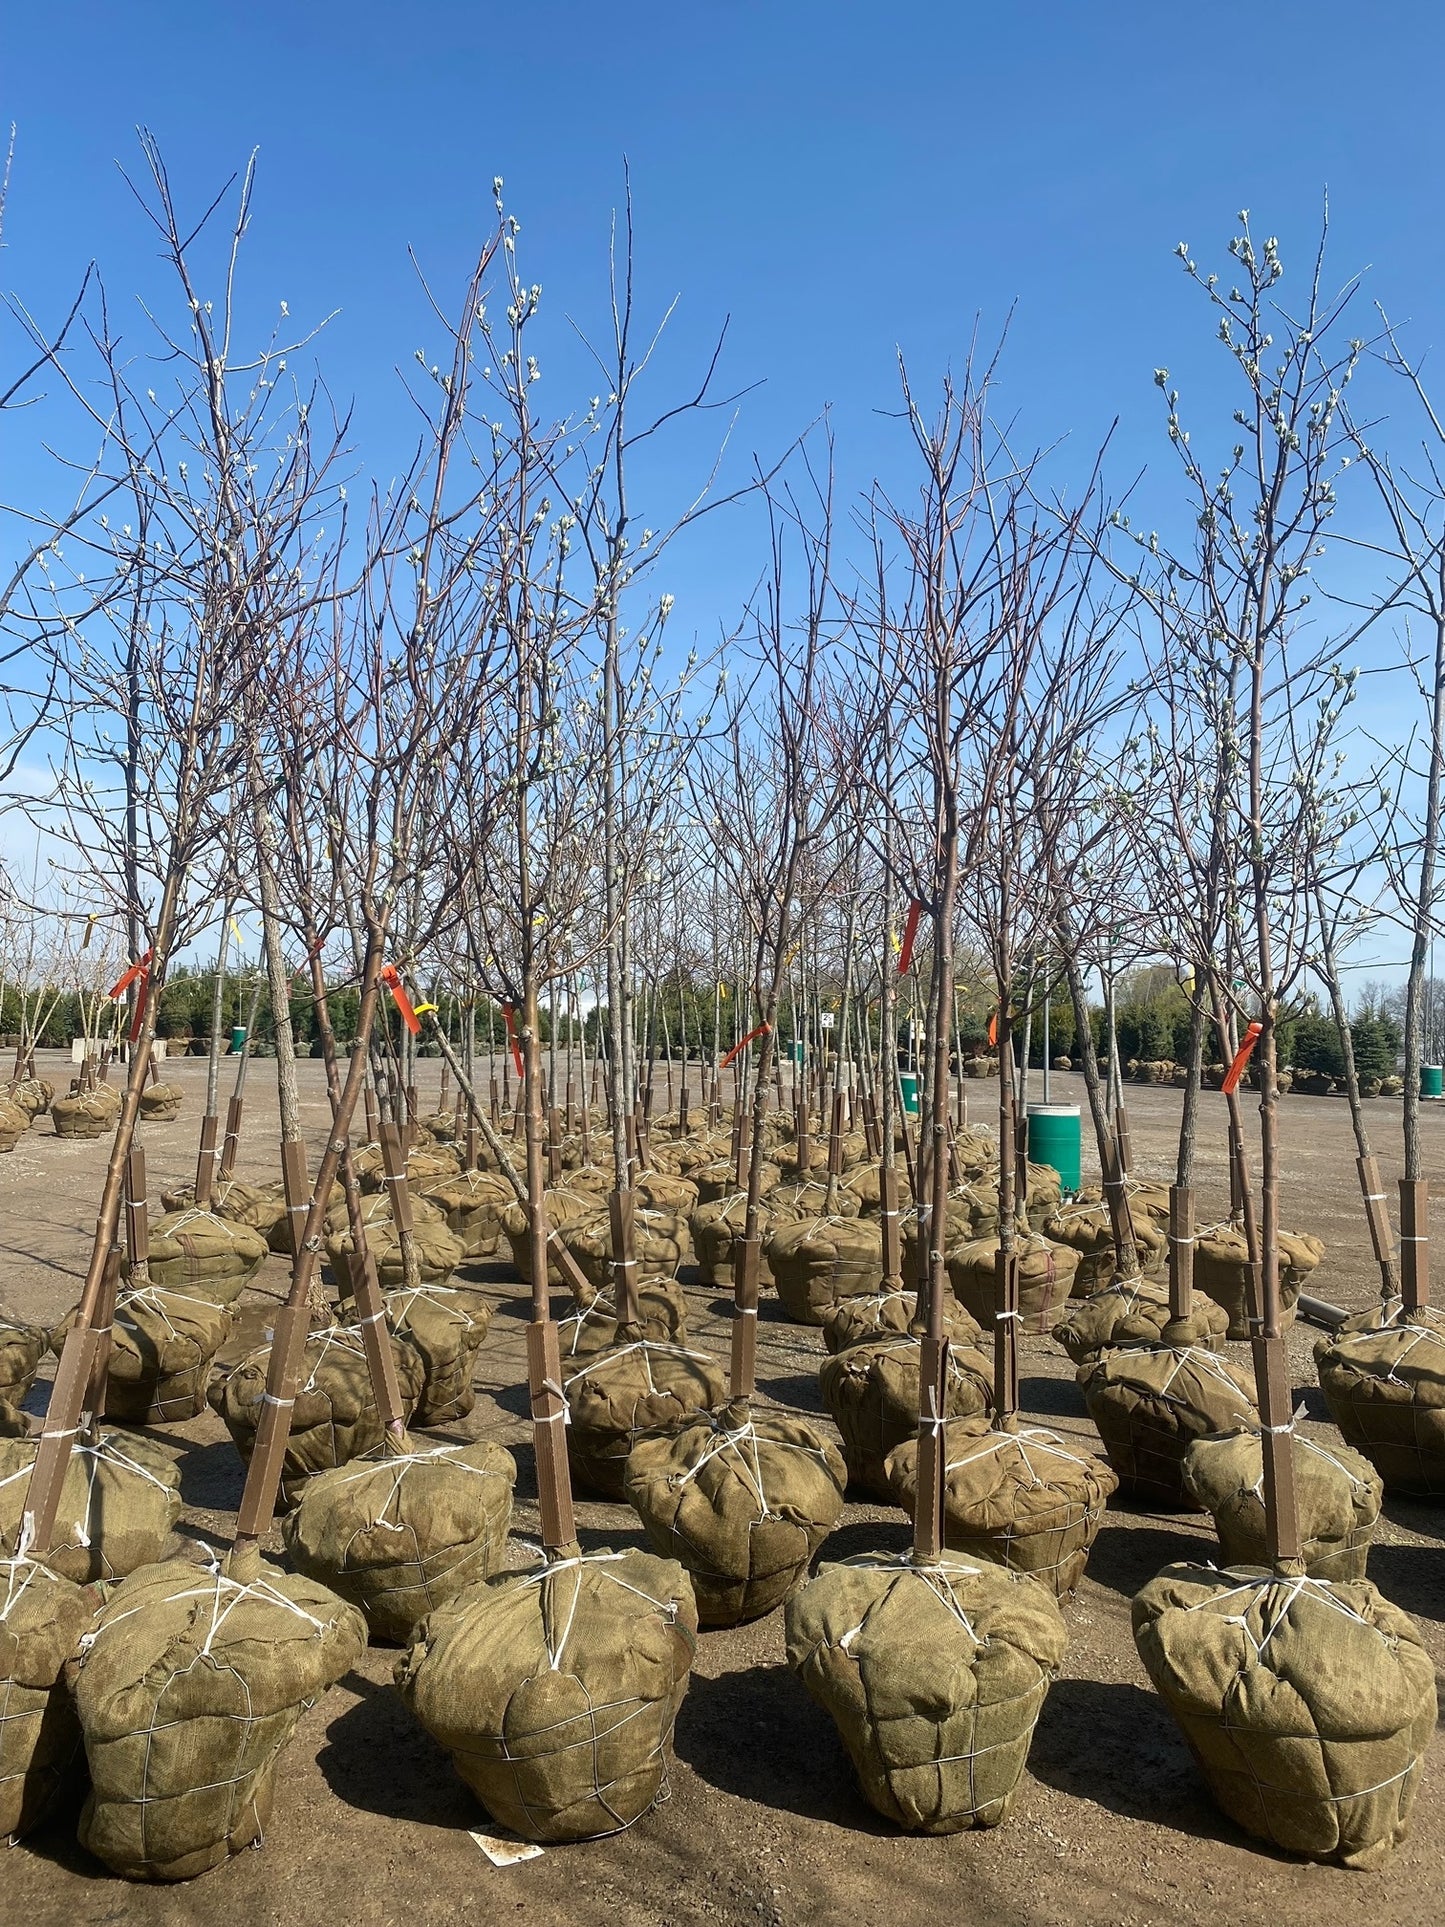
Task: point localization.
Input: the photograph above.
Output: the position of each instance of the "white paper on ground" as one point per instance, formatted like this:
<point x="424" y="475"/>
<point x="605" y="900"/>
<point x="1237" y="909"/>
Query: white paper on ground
<point x="504" y="1850"/>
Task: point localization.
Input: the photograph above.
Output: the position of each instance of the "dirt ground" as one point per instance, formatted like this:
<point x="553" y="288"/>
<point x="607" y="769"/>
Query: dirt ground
<point x="762" y="1822"/>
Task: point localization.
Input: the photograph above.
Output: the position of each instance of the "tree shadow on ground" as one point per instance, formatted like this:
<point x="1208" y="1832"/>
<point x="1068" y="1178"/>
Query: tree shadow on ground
<point x="756" y="1734"/>
<point x="1116" y="1744"/>
<point x="379" y="1760"/>
<point x="1051" y="1397"/>
<point x="1411" y="1577"/>
<point x="1125" y="1557"/>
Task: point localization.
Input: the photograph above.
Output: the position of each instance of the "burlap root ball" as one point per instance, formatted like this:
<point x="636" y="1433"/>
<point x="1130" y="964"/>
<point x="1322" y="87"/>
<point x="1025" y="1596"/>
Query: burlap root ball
<point x="743" y="1499"/>
<point x="1087" y="1229"/>
<point x="1337" y="1497"/>
<point x="660" y="1190"/>
<point x="1150" y="1405"/>
<point x="660" y="1243"/>
<point x="1221" y="1272"/>
<point x="161" y="1347"/>
<point x="717" y="1230"/>
<point x="934" y="1676"/>
<point x="1307" y="1705"/>
<point x="1028" y="1498"/>
<point x="871" y="1392"/>
<point x="555" y="1692"/>
<point x="89" y="1115"/>
<point x="262" y="1207"/>
<point x="159" y="1103"/>
<point x="22" y="1346"/>
<point x="1385" y="1388"/>
<point x="473" y="1204"/>
<point x="1135" y="1312"/>
<point x="334" y="1418"/>
<point x="119" y="1500"/>
<point x="437" y="1252"/>
<point x="424" y="1164"/>
<point x="661" y="1315"/>
<point x="865" y="1181"/>
<point x="447" y="1328"/>
<point x="42" y="1617"/>
<point x="188" y="1688"/>
<point x="14" y="1123"/>
<point x="403" y="1529"/>
<point x="719" y="1180"/>
<point x="204" y="1254"/>
<point x="884" y="1314"/>
<point x="623" y="1395"/>
<point x="970" y="1214"/>
<point x="1046" y="1274"/>
<point x="33" y="1095"/>
<point x="812" y="1197"/>
<point x="817" y="1262"/>
<point x="1043" y="1196"/>
<point x="563" y="1206"/>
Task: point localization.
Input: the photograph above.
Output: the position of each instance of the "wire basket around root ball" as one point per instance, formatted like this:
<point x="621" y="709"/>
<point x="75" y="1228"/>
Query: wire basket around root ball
<point x="818" y="1262"/>
<point x="661" y="1316"/>
<point x="1027" y="1498"/>
<point x="404" y="1529"/>
<point x="934" y="1676"/>
<point x="188" y="1687"/>
<point x="447" y="1327"/>
<point x="119" y="1502"/>
<point x="1151" y="1403"/>
<point x="871" y="1392"/>
<point x="200" y="1252"/>
<point x="621" y="1396"/>
<point x="1307" y="1704"/>
<point x="1222" y="1271"/>
<point x="1133" y="1313"/>
<point x="1385" y="1387"/>
<point x="1046" y="1276"/>
<point x="743" y="1499"/>
<point x="555" y="1691"/>
<point x="888" y="1314"/>
<point x="42" y="1617"/>
<point x="1337" y="1501"/>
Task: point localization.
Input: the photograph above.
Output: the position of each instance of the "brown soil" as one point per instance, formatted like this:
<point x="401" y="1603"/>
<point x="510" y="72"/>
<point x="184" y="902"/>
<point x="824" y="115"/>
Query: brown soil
<point x="763" y="1822"/>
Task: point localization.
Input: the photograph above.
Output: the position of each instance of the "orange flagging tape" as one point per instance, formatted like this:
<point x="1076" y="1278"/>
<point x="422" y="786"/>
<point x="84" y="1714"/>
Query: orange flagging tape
<point x="1241" y="1058"/>
<point x="742" y="1044"/>
<point x="910" y="937"/>
<point x="510" y="1022"/>
<point x="391" y="977"/>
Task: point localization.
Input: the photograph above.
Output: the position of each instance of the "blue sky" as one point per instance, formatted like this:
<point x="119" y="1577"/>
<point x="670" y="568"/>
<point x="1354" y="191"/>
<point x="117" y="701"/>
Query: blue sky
<point x="840" y="180"/>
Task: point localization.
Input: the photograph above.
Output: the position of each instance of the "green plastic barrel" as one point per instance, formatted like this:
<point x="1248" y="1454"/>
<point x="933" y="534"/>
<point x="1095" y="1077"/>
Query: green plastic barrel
<point x="238" y="1037"/>
<point x="1432" y="1080"/>
<point x="1056" y="1138"/>
<point x="909" y="1083"/>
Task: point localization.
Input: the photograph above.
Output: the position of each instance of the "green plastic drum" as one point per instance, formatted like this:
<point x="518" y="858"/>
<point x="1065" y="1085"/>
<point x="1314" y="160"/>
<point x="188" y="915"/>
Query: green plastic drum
<point x="1432" y="1080"/>
<point x="908" y="1080"/>
<point x="1056" y="1138"/>
<point x="238" y="1037"/>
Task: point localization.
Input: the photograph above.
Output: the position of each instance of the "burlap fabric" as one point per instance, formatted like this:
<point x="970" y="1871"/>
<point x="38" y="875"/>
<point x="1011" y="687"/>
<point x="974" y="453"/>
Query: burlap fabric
<point x="555" y="1691"/>
<point x="865" y="1181"/>
<point x="119" y="1500"/>
<point x="447" y="1328"/>
<point x="1307" y="1704"/>
<point x="1044" y="1195"/>
<point x="399" y="1532"/>
<point x="88" y="1115"/>
<point x="720" y="1179"/>
<point x="22" y="1346"/>
<point x="1337" y="1497"/>
<point x="621" y="1396"/>
<point x="376" y="1209"/>
<point x="871" y="1392"/>
<point x="42" y="1617"/>
<point x="1135" y="1312"/>
<point x="161" y="1347"/>
<point x="1150" y="1404"/>
<point x="439" y="1126"/>
<point x="564" y="1206"/>
<point x="260" y="1206"/>
<point x="934" y="1676"/>
<point x="809" y="1198"/>
<point x="14" y="1123"/>
<point x="1385" y="1388"/>
<point x="717" y="1230"/>
<point x="743" y="1499"/>
<point x="1029" y="1499"/>
<point x="971" y="1214"/>
<point x="817" y="1262"/>
<point x="14" y="1424"/>
<point x="188" y="1688"/>
<point x="1221" y="1272"/>
<point x="438" y="1253"/>
<point x="883" y="1314"/>
<point x="594" y="1328"/>
<point x="425" y="1164"/>
<point x="473" y="1204"/>
<point x="1046" y="1275"/>
<point x="334" y="1418"/>
<point x="660" y="1243"/>
<point x="1085" y="1229"/>
<point x="33" y="1095"/>
<point x="159" y="1103"/>
<point x="204" y="1255"/>
<point x="661" y="1190"/>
